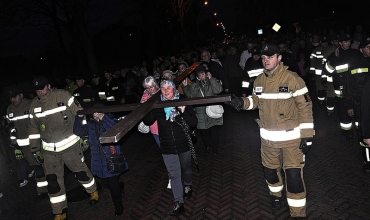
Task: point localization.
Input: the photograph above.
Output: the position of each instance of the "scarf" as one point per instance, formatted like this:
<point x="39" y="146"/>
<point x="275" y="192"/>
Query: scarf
<point x="171" y="112"/>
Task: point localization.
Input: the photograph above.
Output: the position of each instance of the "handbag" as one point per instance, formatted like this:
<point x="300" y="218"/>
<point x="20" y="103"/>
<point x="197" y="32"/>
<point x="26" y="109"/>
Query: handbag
<point x="143" y="128"/>
<point x="214" y="111"/>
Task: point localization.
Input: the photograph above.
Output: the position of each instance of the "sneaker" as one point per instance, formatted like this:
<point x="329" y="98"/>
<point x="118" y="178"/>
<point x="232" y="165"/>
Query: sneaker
<point x="23" y="183"/>
<point x="31" y="174"/>
<point x="169" y="184"/>
<point x="1" y="195"/>
<point x="178" y="209"/>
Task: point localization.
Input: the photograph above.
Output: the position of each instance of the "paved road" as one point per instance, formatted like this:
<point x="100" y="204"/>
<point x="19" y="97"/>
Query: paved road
<point x="229" y="186"/>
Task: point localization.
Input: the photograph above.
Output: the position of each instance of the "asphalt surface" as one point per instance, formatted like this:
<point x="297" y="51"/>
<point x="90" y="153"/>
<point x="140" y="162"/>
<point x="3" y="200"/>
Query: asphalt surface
<point x="230" y="185"/>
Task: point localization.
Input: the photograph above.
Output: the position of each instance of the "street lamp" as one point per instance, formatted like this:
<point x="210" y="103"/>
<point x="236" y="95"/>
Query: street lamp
<point x="205" y="3"/>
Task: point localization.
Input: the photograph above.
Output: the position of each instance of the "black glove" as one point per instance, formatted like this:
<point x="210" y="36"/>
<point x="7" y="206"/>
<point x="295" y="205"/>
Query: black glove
<point x="305" y="144"/>
<point x="236" y="102"/>
<point x="38" y="156"/>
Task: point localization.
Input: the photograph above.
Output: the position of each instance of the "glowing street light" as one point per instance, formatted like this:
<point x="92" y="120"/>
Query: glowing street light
<point x="215" y="14"/>
<point x="205" y="3"/>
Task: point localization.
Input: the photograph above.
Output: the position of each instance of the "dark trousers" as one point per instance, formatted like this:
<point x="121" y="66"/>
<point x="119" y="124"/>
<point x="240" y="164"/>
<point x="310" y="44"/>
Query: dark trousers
<point x="210" y="137"/>
<point x="344" y="119"/>
<point x="23" y="169"/>
<point x="112" y="183"/>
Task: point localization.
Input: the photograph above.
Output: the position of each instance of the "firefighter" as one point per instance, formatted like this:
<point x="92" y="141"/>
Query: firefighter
<point x="352" y="95"/>
<point x="318" y="57"/>
<point x="51" y="123"/>
<point x="286" y="128"/>
<point x="337" y="66"/>
<point x="18" y="115"/>
<point x="84" y="94"/>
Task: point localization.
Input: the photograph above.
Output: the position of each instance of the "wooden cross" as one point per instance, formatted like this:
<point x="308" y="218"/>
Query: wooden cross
<point x="139" y="110"/>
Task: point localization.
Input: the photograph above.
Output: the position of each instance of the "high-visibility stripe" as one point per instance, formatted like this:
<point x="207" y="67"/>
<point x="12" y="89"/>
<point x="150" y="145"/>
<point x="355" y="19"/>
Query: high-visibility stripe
<point x="324" y="76"/>
<point x="283" y="95"/>
<point x="276" y="189"/>
<point x="296" y="202"/>
<point x="321" y="98"/>
<point x="84" y="122"/>
<point x="34" y="136"/>
<point x="329" y="108"/>
<point x="245" y="84"/>
<point x="23" y="142"/>
<point x="329" y="68"/>
<point x="51" y="111"/>
<point x="254" y="73"/>
<point x="70" y="101"/>
<point x="319" y="56"/>
<point x="329" y="79"/>
<point x="250" y="103"/>
<point x="110" y="98"/>
<point x="86" y="100"/>
<point x="312" y="68"/>
<point x="346" y="126"/>
<point x="76" y="94"/>
<point x="58" y="199"/>
<point x="285" y="135"/>
<point x="338" y="92"/>
<point x="91" y="183"/>
<point x="318" y="72"/>
<point x="61" y="145"/>
<point x="306" y="126"/>
<point x="367" y="154"/>
<point x="19" y="117"/>
<point x="13" y="137"/>
<point x="82" y="159"/>
<point x="318" y="52"/>
<point x="360" y="70"/>
<point x="341" y="68"/>
<point x="42" y="184"/>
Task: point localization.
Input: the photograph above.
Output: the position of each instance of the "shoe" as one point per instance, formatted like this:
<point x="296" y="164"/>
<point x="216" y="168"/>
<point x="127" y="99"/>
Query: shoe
<point x="1" y="195"/>
<point x="275" y="202"/>
<point x="41" y="196"/>
<point x="62" y="216"/>
<point x="178" y="209"/>
<point x="94" y="198"/>
<point x="31" y="174"/>
<point x="208" y="150"/>
<point x="119" y="211"/>
<point x="366" y="168"/>
<point x="188" y="191"/>
<point x="23" y="183"/>
<point x="169" y="184"/>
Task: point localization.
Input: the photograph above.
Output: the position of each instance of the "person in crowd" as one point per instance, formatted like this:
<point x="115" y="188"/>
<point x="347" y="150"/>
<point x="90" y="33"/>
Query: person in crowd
<point x="234" y="71"/>
<point x="18" y="114"/>
<point x="286" y="128"/>
<point x="221" y="54"/>
<point x="173" y="64"/>
<point x="182" y="69"/>
<point x="246" y="54"/>
<point x="51" y="124"/>
<point x="173" y="124"/>
<point x="288" y="59"/>
<point x="85" y="94"/>
<point x="352" y="94"/>
<point x="71" y="85"/>
<point x="94" y="129"/>
<point x="99" y="88"/>
<point x="216" y="69"/>
<point x="130" y="84"/>
<point x="180" y="60"/>
<point x="214" y="57"/>
<point x="113" y="91"/>
<point x="206" y="85"/>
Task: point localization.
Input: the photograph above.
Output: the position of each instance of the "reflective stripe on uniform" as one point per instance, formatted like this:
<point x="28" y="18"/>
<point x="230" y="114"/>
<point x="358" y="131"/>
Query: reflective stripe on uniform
<point x="367" y="154"/>
<point x="296" y="202"/>
<point x="360" y="70"/>
<point x="84" y="122"/>
<point x="91" y="183"/>
<point x="329" y="68"/>
<point x="285" y="135"/>
<point x="254" y="73"/>
<point x="329" y="79"/>
<point x="250" y="103"/>
<point x="61" y="145"/>
<point x="329" y="108"/>
<point x="34" y="136"/>
<point x="23" y="142"/>
<point x="86" y="100"/>
<point x="58" y="199"/>
<point x="306" y="125"/>
<point x="245" y="84"/>
<point x="318" y="72"/>
<point x="341" y="68"/>
<point x="19" y="117"/>
<point x="283" y="95"/>
<point x="110" y="98"/>
<point x="346" y="126"/>
<point x="276" y="189"/>
<point x="51" y="111"/>
<point x="42" y="184"/>
<point x="70" y="101"/>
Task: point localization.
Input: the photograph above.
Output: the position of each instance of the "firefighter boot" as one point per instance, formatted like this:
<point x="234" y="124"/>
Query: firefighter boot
<point x="94" y="198"/>
<point x="62" y="216"/>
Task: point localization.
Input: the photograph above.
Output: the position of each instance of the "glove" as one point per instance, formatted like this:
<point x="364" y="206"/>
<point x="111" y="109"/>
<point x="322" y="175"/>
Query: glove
<point x="304" y="145"/>
<point x="38" y="156"/>
<point x="18" y="154"/>
<point x="236" y="102"/>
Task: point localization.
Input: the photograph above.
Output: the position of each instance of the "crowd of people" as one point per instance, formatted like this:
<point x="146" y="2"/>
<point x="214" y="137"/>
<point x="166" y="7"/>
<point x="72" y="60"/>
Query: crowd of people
<point x="271" y="76"/>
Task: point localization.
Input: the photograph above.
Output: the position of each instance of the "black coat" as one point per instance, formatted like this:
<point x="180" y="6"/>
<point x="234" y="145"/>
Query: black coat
<point x="171" y="134"/>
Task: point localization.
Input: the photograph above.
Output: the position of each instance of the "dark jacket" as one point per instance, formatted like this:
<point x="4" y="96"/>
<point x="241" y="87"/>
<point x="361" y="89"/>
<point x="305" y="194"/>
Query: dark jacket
<point x="365" y="110"/>
<point x="219" y="72"/>
<point x="94" y="130"/>
<point x="171" y="134"/>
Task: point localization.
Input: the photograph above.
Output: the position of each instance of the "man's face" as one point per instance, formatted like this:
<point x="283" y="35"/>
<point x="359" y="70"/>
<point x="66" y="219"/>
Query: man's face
<point x="16" y="99"/>
<point x="315" y="39"/>
<point x="168" y="91"/>
<point x="233" y="50"/>
<point x="270" y="62"/>
<point x="95" y="80"/>
<point x="173" y="59"/>
<point x="202" y="75"/>
<point x="107" y="76"/>
<point x="335" y="43"/>
<point x="282" y="48"/>
<point x="182" y="68"/>
<point x="80" y="82"/>
<point x="206" y="57"/>
<point x="345" y="44"/>
<point x="250" y="47"/>
<point x="43" y="91"/>
<point x="366" y="50"/>
<point x="256" y="57"/>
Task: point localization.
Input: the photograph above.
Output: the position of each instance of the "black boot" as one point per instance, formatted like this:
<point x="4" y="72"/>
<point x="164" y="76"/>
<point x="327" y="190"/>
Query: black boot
<point x="275" y="202"/>
<point x="188" y="191"/>
<point x="119" y="211"/>
<point x="178" y="209"/>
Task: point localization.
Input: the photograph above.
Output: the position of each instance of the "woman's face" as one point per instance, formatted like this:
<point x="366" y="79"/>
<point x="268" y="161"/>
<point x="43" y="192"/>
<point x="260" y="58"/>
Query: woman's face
<point x="168" y="91"/>
<point x="151" y="89"/>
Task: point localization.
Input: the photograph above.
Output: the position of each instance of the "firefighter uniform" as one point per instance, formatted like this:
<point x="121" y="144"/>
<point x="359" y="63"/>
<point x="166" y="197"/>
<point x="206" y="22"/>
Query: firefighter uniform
<point x="85" y="94"/>
<point x="286" y="117"/>
<point x="52" y="121"/>
<point x="317" y="59"/>
<point x="365" y="122"/>
<point x="252" y="69"/>
<point x="337" y="67"/>
<point x="20" y="116"/>
<point x="352" y="97"/>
